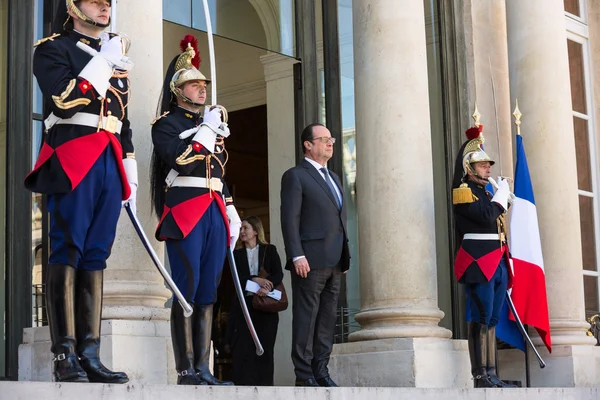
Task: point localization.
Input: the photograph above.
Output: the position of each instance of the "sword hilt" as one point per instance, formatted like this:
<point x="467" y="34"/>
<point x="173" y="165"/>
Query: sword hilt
<point x="224" y="114"/>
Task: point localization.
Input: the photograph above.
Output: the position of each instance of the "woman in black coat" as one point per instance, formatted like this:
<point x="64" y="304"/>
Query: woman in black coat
<point x="255" y="254"/>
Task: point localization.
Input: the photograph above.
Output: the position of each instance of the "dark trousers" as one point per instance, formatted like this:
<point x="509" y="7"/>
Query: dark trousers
<point x="248" y="368"/>
<point x="83" y="222"/>
<point x="485" y="300"/>
<point x="197" y="261"/>
<point x="315" y="300"/>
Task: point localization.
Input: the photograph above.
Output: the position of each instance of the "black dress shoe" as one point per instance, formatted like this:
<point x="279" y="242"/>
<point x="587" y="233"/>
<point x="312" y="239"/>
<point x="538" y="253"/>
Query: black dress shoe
<point x="68" y="369"/>
<point x="326" y="382"/>
<point x="484" y="381"/>
<point x="98" y="373"/>
<point x="309" y="382"/>
<point x="500" y="383"/>
<point x="189" y="377"/>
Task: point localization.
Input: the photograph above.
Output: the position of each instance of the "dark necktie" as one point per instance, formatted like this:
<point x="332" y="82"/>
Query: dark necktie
<point x="330" y="184"/>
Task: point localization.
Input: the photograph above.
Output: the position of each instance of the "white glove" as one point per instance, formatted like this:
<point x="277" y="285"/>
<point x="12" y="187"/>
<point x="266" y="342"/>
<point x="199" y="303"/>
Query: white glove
<point x="132" y="177"/>
<point x="189" y="132"/>
<point x="511" y="196"/>
<point x="112" y="52"/>
<point x="206" y="136"/>
<point x="235" y="224"/>
<point x="502" y="193"/>
<point x="212" y="117"/>
<point x="100" y="68"/>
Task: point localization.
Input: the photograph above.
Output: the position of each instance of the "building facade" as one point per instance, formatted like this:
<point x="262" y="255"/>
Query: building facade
<point x="396" y="83"/>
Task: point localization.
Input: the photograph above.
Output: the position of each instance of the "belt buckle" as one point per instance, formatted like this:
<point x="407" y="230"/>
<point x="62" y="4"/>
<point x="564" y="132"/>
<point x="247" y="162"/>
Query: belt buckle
<point x="111" y="124"/>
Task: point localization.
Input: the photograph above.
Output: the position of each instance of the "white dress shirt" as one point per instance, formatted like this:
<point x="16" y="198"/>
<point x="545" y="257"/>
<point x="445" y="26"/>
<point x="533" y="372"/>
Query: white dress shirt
<point x="318" y="167"/>
<point x="253" y="260"/>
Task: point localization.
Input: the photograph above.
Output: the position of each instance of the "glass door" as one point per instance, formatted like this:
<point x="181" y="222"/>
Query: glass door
<point x="3" y="117"/>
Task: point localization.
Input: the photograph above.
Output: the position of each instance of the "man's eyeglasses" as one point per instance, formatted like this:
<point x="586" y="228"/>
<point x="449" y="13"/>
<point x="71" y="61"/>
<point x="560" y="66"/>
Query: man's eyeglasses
<point x="324" y="139"/>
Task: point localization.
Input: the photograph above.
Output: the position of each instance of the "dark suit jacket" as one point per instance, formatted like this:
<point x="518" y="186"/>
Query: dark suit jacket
<point x="265" y="323"/>
<point x="311" y="222"/>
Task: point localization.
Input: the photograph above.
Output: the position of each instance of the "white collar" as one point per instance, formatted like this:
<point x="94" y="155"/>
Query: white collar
<point x="315" y="164"/>
<point x="188" y="110"/>
<point x="86" y="35"/>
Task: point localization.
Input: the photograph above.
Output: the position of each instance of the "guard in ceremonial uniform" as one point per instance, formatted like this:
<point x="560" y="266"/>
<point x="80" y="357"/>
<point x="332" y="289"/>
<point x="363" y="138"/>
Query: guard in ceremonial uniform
<point x="86" y="167"/>
<point x="482" y="261"/>
<point x="197" y="218"/>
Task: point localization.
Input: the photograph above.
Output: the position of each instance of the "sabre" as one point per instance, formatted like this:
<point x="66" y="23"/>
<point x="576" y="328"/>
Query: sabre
<point x="240" y="295"/>
<point x="495" y="185"/>
<point x="523" y="331"/>
<point x="211" y="52"/>
<point x="113" y="18"/>
<point x="496" y="115"/>
<point x="187" y="309"/>
<point x="213" y="99"/>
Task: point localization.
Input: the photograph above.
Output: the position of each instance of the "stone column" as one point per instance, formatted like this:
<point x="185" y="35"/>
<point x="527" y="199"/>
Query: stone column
<point x="133" y="287"/>
<point x="279" y="78"/>
<point x="539" y="71"/>
<point x="400" y="342"/>
<point x="135" y="328"/>
<point x="134" y="292"/>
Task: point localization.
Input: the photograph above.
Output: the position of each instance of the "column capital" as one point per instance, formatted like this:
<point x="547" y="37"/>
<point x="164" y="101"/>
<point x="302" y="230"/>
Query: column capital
<point x="277" y="66"/>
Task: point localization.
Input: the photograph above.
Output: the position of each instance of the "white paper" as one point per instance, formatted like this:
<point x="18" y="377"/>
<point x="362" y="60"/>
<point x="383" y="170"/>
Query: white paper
<point x="254" y="287"/>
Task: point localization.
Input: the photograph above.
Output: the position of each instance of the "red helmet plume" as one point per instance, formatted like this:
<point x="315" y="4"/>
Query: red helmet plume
<point x="474" y="132"/>
<point x="192" y="41"/>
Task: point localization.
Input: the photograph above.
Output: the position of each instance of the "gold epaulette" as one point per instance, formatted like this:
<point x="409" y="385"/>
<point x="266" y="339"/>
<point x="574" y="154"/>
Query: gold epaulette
<point x="44" y="40"/>
<point x="157" y="118"/>
<point x="463" y="195"/>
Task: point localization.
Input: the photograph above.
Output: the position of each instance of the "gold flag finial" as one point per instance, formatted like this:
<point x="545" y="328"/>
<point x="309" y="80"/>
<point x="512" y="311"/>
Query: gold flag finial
<point x="517" y="114"/>
<point x="476" y="116"/>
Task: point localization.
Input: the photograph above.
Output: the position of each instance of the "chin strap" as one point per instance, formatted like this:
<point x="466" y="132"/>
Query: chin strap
<point x="177" y="92"/>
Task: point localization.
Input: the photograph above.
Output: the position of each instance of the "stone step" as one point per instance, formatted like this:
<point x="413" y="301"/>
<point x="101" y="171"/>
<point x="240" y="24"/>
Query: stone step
<point x="133" y="391"/>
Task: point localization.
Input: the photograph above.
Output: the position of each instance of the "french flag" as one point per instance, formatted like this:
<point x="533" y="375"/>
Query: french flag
<point x="529" y="282"/>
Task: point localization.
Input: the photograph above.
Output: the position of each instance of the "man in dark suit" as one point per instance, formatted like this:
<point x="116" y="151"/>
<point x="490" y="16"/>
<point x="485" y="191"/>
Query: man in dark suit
<point x="313" y="221"/>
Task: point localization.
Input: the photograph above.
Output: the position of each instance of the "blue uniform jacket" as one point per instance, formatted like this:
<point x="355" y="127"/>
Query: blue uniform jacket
<point x="184" y="206"/>
<point x="69" y="151"/>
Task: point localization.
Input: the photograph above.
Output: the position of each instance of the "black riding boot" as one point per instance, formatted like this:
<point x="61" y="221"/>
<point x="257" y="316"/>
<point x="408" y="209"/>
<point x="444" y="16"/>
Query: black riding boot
<point x="203" y="316"/>
<point x="491" y="359"/>
<point x="478" y="353"/>
<point x="183" y="348"/>
<point x="89" y="315"/>
<point x="60" y="296"/>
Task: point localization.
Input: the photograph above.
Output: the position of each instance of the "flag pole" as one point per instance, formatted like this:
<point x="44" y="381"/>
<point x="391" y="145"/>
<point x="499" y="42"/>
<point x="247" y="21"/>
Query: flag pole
<point x="527" y="368"/>
<point x="517" y="114"/>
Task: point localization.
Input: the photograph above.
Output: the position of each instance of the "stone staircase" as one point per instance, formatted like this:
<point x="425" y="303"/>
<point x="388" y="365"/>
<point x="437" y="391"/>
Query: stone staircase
<point x="134" y="391"/>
